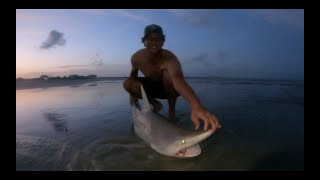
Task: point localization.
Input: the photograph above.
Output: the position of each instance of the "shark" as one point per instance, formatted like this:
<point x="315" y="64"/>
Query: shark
<point x="165" y="136"/>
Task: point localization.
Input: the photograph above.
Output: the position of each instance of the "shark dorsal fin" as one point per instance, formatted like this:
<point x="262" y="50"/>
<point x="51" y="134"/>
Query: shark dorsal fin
<point x="145" y="102"/>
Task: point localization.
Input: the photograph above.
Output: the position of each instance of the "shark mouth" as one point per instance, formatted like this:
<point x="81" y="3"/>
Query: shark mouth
<point x="191" y="151"/>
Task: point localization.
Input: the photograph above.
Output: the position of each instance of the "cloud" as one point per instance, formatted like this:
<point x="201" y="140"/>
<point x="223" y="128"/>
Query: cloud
<point x="199" y="60"/>
<point x="29" y="33"/>
<point x="198" y="18"/>
<point x="93" y="64"/>
<point x="97" y="60"/>
<point x="222" y="55"/>
<point x="291" y="17"/>
<point x="204" y="63"/>
<point x="55" y="38"/>
<point x="131" y="15"/>
<point x="115" y="70"/>
<point x="201" y="57"/>
<point x="35" y="16"/>
<point x="71" y="66"/>
<point x="116" y="12"/>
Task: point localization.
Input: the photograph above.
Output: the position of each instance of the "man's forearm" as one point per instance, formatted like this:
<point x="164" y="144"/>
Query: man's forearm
<point x="183" y="88"/>
<point x="133" y="74"/>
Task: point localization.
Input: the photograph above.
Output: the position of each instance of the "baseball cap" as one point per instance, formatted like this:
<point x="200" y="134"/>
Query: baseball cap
<point x="152" y="28"/>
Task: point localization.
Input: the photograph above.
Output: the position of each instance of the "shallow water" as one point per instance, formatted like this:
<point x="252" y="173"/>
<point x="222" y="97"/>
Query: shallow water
<point x="88" y="127"/>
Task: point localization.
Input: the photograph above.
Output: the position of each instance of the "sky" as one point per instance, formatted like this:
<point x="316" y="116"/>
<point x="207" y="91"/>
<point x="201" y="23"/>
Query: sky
<point x="243" y="43"/>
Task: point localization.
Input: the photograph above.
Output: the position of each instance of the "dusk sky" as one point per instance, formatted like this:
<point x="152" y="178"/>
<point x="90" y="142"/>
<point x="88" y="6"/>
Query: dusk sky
<point x="233" y="43"/>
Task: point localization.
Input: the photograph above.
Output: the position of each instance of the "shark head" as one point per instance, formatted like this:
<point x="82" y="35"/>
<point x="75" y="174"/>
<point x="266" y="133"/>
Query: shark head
<point x="187" y="145"/>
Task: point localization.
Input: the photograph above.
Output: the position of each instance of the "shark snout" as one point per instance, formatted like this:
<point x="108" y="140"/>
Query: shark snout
<point x="200" y="136"/>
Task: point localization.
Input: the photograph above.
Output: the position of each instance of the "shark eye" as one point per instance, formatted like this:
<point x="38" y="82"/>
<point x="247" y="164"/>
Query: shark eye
<point x="183" y="141"/>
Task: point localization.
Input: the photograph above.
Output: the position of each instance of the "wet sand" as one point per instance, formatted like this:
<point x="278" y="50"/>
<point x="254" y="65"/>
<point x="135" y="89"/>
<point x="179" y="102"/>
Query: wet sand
<point x="263" y="127"/>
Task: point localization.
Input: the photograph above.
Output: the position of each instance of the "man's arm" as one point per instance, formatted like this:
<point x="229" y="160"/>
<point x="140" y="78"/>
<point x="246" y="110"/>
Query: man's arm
<point x="134" y="69"/>
<point x="133" y="74"/>
<point x="182" y="87"/>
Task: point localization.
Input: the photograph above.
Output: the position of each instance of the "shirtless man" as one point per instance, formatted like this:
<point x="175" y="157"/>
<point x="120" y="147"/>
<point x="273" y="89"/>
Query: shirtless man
<point x="163" y="79"/>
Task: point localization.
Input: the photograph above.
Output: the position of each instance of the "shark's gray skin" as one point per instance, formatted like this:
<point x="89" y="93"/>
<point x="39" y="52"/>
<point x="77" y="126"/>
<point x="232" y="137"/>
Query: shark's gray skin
<point x="164" y="136"/>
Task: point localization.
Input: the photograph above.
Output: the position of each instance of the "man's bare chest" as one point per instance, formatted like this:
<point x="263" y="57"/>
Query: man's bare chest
<point x="153" y="70"/>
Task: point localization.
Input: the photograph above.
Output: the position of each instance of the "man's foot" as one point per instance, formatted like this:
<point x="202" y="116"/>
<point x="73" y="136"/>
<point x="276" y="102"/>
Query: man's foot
<point x="156" y="106"/>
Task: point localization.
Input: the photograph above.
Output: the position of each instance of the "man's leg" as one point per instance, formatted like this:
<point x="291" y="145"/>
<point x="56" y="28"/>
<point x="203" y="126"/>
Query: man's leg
<point x="133" y="87"/>
<point x="172" y="108"/>
<point x="156" y="105"/>
<point x="172" y="96"/>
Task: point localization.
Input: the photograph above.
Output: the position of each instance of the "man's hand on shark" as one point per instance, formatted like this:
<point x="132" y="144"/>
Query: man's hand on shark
<point x="206" y="116"/>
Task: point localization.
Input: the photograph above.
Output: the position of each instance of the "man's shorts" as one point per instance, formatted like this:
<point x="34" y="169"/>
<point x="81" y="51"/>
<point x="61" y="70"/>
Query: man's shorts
<point x="153" y="89"/>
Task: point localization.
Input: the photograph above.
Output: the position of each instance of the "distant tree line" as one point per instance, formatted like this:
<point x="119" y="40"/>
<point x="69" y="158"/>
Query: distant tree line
<point x="72" y="76"/>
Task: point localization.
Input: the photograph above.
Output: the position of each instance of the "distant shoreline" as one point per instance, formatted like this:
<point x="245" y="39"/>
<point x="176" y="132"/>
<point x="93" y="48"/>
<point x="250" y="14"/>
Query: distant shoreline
<point x="40" y="83"/>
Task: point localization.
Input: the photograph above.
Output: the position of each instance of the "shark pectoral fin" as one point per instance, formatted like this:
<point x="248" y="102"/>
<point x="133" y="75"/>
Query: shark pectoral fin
<point x="145" y="102"/>
<point x="145" y="128"/>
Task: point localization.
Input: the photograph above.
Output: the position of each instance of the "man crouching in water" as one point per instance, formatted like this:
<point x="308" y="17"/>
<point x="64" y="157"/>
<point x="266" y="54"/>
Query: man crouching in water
<point x="163" y="79"/>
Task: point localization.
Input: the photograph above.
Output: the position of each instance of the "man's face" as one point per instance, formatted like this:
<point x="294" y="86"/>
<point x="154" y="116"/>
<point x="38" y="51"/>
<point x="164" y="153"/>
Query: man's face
<point x="154" y="42"/>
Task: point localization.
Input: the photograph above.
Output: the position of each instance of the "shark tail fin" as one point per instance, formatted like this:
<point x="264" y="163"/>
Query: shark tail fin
<point x="145" y="101"/>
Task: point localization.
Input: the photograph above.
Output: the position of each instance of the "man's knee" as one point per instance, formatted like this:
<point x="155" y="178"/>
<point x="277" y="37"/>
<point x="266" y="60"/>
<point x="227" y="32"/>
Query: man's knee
<point x="171" y="91"/>
<point x="126" y="84"/>
<point x="130" y="84"/>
